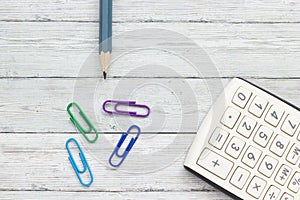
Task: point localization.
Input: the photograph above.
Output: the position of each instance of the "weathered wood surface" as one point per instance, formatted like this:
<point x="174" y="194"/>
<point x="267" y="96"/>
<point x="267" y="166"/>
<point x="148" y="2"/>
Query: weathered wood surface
<point x="59" y="49"/>
<point x="39" y="105"/>
<point x="40" y="162"/>
<point x="245" y="11"/>
<point x="114" y="195"/>
<point x="45" y="44"/>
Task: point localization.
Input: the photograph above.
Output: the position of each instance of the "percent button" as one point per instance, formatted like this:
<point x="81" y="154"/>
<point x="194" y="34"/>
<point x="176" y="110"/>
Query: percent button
<point x="295" y="183"/>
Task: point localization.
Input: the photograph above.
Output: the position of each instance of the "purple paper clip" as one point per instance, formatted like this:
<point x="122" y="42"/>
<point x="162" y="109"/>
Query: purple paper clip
<point x="126" y="103"/>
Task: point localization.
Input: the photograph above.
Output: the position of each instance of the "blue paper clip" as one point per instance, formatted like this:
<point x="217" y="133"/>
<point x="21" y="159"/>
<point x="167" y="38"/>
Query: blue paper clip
<point x="126" y="103"/>
<point x="128" y="148"/>
<point x="84" y="163"/>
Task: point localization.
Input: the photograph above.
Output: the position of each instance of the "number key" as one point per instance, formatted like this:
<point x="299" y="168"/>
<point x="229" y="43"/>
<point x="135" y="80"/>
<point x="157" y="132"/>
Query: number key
<point x="235" y="147"/>
<point x="246" y="126"/>
<point x="274" y="115"/>
<point x="263" y="136"/>
<point x="268" y="166"/>
<point x="251" y="156"/>
<point x="290" y="125"/>
<point x="279" y="145"/>
<point x="241" y="97"/>
<point x="258" y="106"/>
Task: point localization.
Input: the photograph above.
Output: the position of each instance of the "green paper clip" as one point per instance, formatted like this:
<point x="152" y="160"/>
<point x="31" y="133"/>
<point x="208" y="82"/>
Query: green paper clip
<point x="87" y="121"/>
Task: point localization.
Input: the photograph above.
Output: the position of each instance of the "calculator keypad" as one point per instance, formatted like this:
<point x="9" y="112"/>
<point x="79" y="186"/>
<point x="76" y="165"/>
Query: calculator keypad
<point x="251" y="157"/>
<point x="274" y="115"/>
<point x="256" y="187"/>
<point x="294" y="154"/>
<point x="215" y="163"/>
<point x="279" y="145"/>
<point x="241" y="97"/>
<point x="246" y="127"/>
<point x="283" y="174"/>
<point x="267" y="166"/>
<point x="290" y="125"/>
<point x="286" y="196"/>
<point x="263" y="136"/>
<point x="272" y="193"/>
<point x="271" y="152"/>
<point x="240" y="177"/>
<point x="235" y="147"/>
<point x="230" y="117"/>
<point x="218" y="138"/>
<point x="295" y="183"/>
<point x="258" y="106"/>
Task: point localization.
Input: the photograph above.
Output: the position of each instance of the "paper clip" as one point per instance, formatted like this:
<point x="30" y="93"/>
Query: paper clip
<point x="126" y="103"/>
<point x="78" y="126"/>
<point x="128" y="148"/>
<point x="84" y="163"/>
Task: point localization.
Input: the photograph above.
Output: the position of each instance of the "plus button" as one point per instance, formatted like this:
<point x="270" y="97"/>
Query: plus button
<point x="216" y="163"/>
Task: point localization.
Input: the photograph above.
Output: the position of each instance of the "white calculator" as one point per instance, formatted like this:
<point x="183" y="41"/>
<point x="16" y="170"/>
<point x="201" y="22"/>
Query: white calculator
<point x="249" y="145"/>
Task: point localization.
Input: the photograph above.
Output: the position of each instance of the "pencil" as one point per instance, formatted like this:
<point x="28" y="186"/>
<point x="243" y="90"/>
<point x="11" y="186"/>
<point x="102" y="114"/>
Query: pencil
<point x="105" y="34"/>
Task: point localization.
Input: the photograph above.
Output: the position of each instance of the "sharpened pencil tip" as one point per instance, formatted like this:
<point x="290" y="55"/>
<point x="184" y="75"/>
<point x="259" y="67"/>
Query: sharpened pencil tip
<point x="104" y="75"/>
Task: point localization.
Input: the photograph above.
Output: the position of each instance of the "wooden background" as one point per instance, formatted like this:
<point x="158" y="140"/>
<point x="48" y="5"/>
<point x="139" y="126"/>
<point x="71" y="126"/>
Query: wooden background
<point x="43" y="44"/>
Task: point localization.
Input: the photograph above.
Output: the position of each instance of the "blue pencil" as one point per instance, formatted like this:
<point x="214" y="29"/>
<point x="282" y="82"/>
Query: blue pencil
<point x="105" y="34"/>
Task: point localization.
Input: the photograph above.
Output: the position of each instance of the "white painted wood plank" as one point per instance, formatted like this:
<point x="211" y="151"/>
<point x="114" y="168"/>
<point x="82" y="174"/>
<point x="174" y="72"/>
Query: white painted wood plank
<point x="146" y="10"/>
<point x="39" y="105"/>
<point x="60" y="49"/>
<point x="14" y="195"/>
<point x="40" y="162"/>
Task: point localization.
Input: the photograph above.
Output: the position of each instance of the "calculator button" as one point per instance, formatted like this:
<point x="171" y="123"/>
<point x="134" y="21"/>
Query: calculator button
<point x="294" y="185"/>
<point x="290" y="125"/>
<point x="294" y="154"/>
<point x="258" y="106"/>
<point x="215" y="163"/>
<point x="251" y="156"/>
<point x="274" y="115"/>
<point x="241" y="97"/>
<point x="283" y="175"/>
<point x="256" y="187"/>
<point x="230" y="117"/>
<point x="279" y="145"/>
<point x="246" y="126"/>
<point x="286" y="196"/>
<point x="235" y="147"/>
<point x="268" y="166"/>
<point x="263" y="136"/>
<point x="218" y="138"/>
<point x="272" y="193"/>
<point x="239" y="177"/>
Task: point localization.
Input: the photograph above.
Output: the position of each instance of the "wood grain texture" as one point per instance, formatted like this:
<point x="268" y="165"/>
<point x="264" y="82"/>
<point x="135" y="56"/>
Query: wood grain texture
<point x="12" y="195"/>
<point x="58" y="49"/>
<point x="45" y="44"/>
<point x="40" y="162"/>
<point x="39" y="105"/>
<point x="147" y="11"/>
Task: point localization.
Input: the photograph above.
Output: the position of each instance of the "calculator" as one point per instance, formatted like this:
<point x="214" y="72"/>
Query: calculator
<point x="249" y="145"/>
